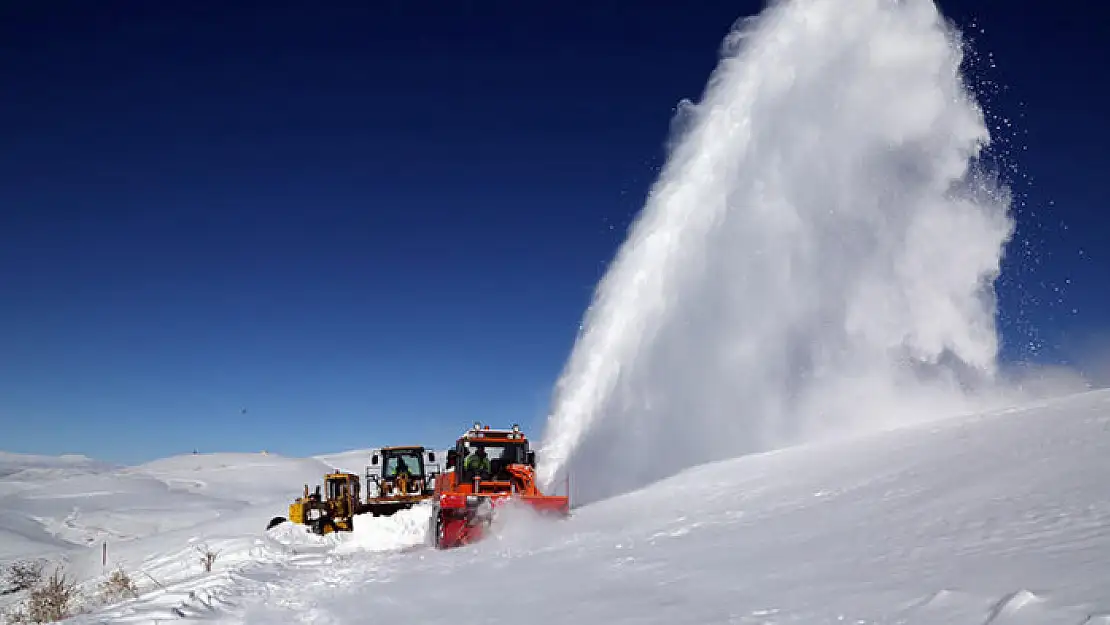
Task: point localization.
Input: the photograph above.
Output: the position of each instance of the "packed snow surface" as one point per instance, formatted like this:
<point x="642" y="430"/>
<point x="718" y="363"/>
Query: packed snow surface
<point x="997" y="518"/>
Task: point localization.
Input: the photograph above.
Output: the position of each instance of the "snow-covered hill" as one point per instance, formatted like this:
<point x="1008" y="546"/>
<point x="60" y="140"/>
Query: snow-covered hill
<point x="998" y="518"/>
<point x="64" y="510"/>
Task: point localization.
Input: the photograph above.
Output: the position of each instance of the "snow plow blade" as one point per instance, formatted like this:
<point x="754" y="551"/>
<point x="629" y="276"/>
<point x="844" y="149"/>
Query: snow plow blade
<point x="553" y="505"/>
<point x="461" y="520"/>
<point x="389" y="508"/>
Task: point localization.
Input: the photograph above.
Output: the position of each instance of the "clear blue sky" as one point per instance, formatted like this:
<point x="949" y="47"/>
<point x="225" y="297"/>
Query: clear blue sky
<point x="374" y="225"/>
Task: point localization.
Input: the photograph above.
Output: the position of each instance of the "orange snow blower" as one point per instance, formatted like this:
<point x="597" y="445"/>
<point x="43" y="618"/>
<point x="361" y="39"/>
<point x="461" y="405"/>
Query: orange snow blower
<point x="486" y="469"/>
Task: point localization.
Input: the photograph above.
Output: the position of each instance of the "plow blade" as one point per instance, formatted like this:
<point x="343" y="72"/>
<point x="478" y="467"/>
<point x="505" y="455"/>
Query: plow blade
<point x="388" y="508"/>
<point x="460" y="520"/>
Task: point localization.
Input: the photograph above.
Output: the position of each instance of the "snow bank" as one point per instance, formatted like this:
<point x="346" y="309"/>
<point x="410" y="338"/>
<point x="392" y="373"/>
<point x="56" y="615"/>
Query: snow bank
<point x="402" y="530"/>
<point x="294" y="536"/>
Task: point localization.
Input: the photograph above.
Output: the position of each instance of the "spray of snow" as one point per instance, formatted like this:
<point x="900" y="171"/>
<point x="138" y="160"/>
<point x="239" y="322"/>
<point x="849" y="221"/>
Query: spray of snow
<point x="816" y="257"/>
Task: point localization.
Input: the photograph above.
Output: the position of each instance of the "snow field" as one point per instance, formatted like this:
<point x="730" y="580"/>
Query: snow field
<point x="996" y="519"/>
<point x="155" y="518"/>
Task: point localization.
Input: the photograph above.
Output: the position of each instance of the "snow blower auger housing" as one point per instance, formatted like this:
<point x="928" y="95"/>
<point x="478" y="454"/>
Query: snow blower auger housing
<point x="399" y="478"/>
<point x="334" y="512"/>
<point x="486" y="469"/>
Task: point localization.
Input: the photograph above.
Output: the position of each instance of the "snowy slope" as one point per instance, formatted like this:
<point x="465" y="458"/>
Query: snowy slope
<point x="998" y="518"/>
<point x="152" y="517"/>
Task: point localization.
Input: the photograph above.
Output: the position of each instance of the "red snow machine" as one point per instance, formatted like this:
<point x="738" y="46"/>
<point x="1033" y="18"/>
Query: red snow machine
<point x="486" y="469"/>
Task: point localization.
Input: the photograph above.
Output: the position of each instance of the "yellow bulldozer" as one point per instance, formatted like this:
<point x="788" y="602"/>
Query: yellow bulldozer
<point x="333" y="512"/>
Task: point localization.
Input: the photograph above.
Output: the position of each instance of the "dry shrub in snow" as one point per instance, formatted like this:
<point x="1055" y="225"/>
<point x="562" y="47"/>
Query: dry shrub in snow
<point x="117" y="587"/>
<point x="207" y="557"/>
<point x="50" y="601"/>
<point x="22" y="575"/>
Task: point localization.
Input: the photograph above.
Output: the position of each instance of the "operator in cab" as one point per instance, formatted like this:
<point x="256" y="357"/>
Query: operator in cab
<point x="477" y="462"/>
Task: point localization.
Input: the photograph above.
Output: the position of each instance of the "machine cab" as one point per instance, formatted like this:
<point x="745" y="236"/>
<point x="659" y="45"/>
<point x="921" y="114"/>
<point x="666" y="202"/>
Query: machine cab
<point x="500" y="448"/>
<point x="342" y="493"/>
<point x="401" y="471"/>
<point x="340" y="486"/>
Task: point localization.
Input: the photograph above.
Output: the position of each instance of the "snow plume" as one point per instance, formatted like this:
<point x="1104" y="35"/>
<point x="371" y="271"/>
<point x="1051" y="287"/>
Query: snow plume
<point x="817" y="256"/>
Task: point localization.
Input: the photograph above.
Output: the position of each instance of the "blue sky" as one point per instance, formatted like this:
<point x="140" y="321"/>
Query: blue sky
<point x="375" y="225"/>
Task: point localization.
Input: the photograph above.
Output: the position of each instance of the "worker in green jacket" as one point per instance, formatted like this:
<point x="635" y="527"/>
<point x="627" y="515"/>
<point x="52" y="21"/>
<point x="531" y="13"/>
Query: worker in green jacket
<point x="477" y="462"/>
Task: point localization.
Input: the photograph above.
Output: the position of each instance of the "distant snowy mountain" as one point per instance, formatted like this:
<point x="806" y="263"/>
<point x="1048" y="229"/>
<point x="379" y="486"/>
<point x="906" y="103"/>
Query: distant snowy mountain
<point x="997" y="518"/>
<point x="13" y="463"/>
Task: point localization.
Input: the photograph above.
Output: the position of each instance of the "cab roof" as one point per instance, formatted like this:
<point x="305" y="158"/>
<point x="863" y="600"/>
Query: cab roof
<point x="478" y="432"/>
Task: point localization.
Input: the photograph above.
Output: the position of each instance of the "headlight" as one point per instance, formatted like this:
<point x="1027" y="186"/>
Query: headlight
<point x="473" y="500"/>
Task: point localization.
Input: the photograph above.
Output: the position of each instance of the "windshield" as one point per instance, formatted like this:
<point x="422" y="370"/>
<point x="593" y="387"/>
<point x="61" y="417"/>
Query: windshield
<point x="337" y="488"/>
<point x="503" y="452"/>
<point x="407" y="462"/>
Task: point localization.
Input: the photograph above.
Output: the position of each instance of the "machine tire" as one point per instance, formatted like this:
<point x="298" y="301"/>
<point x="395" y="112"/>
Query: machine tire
<point x="274" y="522"/>
<point x="435" y="530"/>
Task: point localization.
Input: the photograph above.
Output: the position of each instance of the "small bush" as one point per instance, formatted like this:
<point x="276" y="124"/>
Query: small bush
<point x="117" y="587"/>
<point x="207" y="557"/>
<point x="22" y="575"/>
<point x="48" y="602"/>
